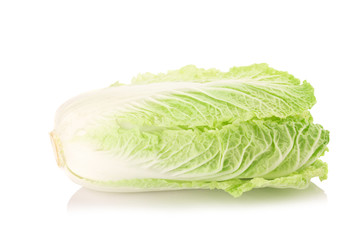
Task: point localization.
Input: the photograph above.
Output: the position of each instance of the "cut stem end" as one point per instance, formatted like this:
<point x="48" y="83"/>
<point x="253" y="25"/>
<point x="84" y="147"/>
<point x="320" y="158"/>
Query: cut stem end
<point x="59" y="155"/>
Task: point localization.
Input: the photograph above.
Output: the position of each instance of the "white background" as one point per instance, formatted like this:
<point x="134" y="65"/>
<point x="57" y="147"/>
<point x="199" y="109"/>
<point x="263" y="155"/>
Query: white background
<point x="53" y="50"/>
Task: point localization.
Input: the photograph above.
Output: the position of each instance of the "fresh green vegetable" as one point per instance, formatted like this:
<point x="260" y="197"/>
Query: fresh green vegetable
<point x="193" y="128"/>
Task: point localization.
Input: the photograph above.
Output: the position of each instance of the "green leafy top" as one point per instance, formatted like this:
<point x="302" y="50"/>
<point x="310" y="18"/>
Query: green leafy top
<point x="190" y="73"/>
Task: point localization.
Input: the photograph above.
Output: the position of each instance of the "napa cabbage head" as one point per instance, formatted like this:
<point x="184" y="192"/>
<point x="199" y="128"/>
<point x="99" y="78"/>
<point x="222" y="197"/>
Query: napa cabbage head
<point x="193" y="128"/>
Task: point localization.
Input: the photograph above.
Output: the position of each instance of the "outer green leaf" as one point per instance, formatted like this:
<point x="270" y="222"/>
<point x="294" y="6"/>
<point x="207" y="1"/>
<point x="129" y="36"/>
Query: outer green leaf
<point x="236" y="187"/>
<point x="241" y="94"/>
<point x="258" y="148"/>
